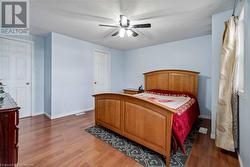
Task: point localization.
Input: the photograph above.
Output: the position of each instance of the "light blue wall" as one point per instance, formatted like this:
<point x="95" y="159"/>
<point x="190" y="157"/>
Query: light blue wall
<point x="245" y="98"/>
<point x="38" y="70"/>
<point x="117" y="70"/>
<point x="217" y="34"/>
<point x="191" y="54"/>
<point x="39" y="73"/>
<point x="47" y="74"/>
<point x="72" y="74"/>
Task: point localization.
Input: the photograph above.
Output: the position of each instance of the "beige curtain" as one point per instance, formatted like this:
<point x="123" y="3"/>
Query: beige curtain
<point x="224" y="120"/>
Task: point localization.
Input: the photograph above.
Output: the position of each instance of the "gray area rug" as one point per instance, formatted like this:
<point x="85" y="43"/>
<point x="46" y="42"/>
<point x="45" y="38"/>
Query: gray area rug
<point x="141" y="154"/>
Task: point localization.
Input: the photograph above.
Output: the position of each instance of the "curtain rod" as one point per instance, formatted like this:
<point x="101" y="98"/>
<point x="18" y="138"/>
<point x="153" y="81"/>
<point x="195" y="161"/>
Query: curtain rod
<point x="238" y="6"/>
<point x="235" y="4"/>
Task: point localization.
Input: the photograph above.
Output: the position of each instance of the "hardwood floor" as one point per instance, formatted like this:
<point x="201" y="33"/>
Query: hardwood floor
<point x="64" y="143"/>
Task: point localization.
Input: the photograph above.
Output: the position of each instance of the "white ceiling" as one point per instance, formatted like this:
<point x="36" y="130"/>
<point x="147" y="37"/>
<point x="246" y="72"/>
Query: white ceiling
<point x="171" y="20"/>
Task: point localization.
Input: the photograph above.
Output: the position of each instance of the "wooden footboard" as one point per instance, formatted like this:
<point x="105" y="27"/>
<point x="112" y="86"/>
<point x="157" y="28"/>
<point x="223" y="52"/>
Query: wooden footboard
<point x="142" y="121"/>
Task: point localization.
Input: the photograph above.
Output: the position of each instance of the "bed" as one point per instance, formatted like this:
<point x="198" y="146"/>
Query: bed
<point x="150" y="122"/>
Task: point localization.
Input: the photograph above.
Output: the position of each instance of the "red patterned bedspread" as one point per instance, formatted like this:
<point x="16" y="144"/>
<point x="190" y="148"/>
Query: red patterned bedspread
<point x="182" y="123"/>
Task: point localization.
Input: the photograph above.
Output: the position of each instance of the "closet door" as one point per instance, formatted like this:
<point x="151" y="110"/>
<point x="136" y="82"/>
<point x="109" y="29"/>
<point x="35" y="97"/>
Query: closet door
<point x="101" y="72"/>
<point x="15" y="72"/>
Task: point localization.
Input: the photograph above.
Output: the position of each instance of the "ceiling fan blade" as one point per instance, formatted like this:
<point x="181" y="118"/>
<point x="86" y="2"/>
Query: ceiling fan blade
<point x="110" y="32"/>
<point x="135" y="34"/>
<point x="142" y="26"/>
<point x="116" y="33"/>
<point x="106" y="25"/>
<point x="147" y="36"/>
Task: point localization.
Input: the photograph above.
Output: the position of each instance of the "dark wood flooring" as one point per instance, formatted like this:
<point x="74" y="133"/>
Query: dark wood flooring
<point x="64" y="143"/>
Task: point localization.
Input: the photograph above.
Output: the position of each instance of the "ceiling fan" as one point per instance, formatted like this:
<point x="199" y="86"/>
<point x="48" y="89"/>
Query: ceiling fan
<point x="125" y="27"/>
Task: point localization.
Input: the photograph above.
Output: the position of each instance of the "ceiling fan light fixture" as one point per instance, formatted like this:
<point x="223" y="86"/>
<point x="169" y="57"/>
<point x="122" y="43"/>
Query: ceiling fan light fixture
<point x="122" y="32"/>
<point x="129" y="32"/>
<point x="124" y="20"/>
<point x="125" y="27"/>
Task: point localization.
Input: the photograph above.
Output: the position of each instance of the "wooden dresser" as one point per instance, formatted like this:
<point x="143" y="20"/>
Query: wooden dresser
<point x="9" y="119"/>
<point x="131" y="91"/>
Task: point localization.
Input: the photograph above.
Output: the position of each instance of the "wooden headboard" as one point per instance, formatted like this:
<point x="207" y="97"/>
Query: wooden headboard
<point x="174" y="80"/>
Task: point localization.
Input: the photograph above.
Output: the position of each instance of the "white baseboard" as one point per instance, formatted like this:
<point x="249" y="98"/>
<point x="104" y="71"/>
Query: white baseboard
<point x="47" y="115"/>
<point x="205" y="116"/>
<point x="70" y="113"/>
<point x="87" y="110"/>
<point x="39" y="113"/>
<point x="240" y="160"/>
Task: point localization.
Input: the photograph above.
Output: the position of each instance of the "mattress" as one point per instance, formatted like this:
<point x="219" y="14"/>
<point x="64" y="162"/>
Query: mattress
<point x="178" y="102"/>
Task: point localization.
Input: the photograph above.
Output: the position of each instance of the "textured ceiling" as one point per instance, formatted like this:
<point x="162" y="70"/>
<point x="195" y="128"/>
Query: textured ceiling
<point x="171" y="20"/>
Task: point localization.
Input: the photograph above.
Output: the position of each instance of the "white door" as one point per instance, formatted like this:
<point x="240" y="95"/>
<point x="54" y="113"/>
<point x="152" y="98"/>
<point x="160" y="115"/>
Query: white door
<point x="102" y="71"/>
<point x="15" y="72"/>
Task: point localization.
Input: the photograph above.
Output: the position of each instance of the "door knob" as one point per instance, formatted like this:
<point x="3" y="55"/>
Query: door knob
<point x="95" y="82"/>
<point x="27" y="83"/>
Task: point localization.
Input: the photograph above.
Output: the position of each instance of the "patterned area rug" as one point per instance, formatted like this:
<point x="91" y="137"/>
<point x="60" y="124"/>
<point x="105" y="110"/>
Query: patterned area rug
<point x="141" y="154"/>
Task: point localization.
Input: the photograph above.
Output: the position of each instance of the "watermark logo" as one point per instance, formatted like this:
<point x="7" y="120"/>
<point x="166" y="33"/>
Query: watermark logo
<point x="14" y="17"/>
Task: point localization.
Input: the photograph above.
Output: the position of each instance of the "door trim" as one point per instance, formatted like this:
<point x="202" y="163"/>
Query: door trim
<point x="109" y="67"/>
<point x="33" y="92"/>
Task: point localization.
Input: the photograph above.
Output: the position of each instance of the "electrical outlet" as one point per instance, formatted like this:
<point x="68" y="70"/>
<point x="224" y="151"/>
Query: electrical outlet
<point x="203" y="130"/>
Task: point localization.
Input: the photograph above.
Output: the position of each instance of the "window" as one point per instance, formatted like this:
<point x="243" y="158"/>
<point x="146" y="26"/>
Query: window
<point x="240" y="54"/>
